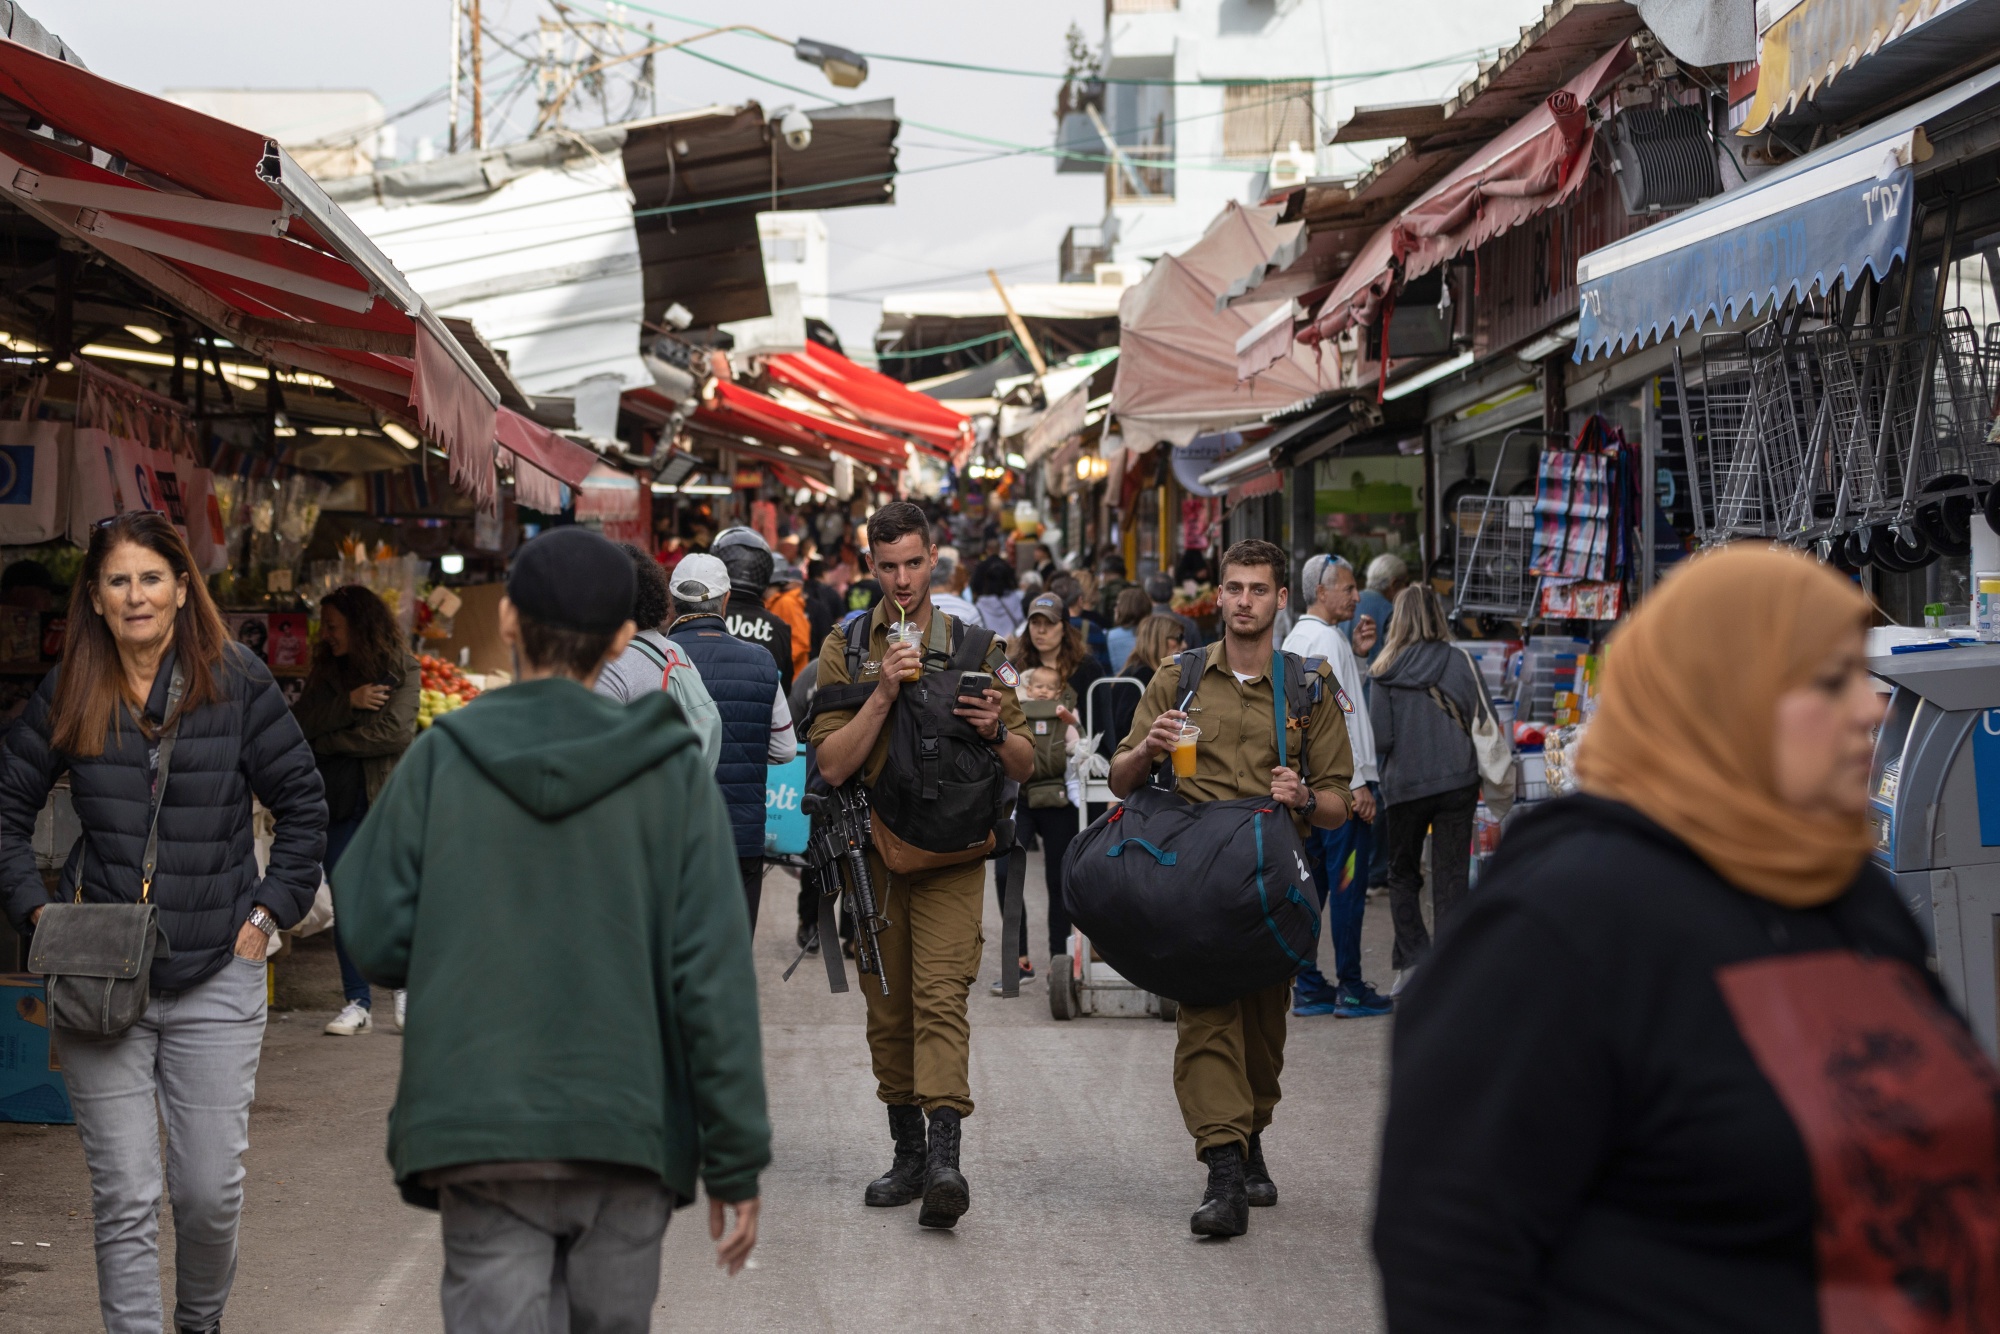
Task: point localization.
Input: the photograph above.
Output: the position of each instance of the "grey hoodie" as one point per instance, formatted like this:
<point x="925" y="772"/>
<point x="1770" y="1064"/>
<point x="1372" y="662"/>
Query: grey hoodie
<point x="1420" y="751"/>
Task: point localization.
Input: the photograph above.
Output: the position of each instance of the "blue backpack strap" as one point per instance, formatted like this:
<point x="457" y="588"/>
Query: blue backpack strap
<point x="1278" y="675"/>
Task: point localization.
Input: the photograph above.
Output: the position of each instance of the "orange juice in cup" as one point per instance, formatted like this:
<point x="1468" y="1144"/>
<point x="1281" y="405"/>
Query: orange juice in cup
<point x="1184" y="751"/>
<point x="909" y="632"/>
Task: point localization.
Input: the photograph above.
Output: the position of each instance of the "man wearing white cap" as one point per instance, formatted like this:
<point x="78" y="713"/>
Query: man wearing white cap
<point x="750" y="695"/>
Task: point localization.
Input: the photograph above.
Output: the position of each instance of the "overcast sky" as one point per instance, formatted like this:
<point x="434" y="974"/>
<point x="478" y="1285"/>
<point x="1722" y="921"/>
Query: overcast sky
<point x="948" y="224"/>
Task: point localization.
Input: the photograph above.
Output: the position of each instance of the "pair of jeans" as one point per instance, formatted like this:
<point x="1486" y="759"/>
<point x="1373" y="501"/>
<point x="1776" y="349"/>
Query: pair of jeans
<point x="339" y="833"/>
<point x="543" y="1257"/>
<point x="1447" y="817"/>
<point x="190" y="1063"/>
<point x="1341" y="878"/>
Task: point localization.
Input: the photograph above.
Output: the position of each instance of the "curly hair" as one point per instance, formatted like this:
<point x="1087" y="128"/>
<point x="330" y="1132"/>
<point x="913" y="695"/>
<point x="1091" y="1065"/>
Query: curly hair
<point x="374" y="641"/>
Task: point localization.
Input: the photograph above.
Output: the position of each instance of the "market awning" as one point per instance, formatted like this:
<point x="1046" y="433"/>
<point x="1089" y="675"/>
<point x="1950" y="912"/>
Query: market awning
<point x="1533" y="166"/>
<point x="1242" y="467"/>
<point x="870" y="396"/>
<point x="1841" y="60"/>
<point x="1177" y="373"/>
<point x="1828" y="217"/>
<point x="224" y="222"/>
<point x="732" y="408"/>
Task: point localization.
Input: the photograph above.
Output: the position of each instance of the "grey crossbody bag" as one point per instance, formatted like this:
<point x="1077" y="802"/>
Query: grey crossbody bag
<point x="98" y="957"/>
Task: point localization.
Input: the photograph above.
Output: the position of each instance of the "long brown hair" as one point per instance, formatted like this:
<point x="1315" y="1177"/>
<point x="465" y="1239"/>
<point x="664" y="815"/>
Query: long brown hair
<point x="374" y="640"/>
<point x="91" y="684"/>
<point x="1070" y="652"/>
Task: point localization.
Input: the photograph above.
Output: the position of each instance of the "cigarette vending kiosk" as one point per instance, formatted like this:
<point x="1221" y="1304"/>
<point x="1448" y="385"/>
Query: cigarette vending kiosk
<point x="1935" y="797"/>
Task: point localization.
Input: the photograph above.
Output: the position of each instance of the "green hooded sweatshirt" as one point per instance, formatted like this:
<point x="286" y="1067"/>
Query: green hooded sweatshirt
<point x="552" y="876"/>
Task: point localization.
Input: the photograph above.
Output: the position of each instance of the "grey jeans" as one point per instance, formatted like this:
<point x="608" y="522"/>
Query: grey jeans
<point x="191" y="1063"/>
<point x="552" y="1257"/>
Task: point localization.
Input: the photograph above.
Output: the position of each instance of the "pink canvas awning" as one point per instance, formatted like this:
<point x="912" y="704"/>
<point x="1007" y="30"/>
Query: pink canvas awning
<point x="1534" y="165"/>
<point x="1177" y="372"/>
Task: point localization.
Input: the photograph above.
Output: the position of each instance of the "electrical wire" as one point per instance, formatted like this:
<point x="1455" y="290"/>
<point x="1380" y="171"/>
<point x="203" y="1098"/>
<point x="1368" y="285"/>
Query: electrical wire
<point x="973" y="68"/>
<point x="1041" y="150"/>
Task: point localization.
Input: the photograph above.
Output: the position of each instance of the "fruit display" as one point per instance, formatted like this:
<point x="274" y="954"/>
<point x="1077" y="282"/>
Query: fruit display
<point x="444" y="689"/>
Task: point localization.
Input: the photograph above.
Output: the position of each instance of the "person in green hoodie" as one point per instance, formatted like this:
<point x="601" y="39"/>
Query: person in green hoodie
<point x="582" y="1038"/>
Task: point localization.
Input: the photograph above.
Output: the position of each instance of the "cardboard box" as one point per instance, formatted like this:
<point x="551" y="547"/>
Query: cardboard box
<point x="31" y="1082"/>
<point x="476" y="626"/>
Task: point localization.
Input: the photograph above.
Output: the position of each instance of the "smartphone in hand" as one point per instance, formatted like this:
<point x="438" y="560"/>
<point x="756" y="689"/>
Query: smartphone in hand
<point x="972" y="686"/>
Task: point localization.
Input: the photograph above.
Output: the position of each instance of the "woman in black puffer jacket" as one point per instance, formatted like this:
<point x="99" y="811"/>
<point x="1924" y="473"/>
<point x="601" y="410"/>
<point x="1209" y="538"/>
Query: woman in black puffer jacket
<point x="140" y="623"/>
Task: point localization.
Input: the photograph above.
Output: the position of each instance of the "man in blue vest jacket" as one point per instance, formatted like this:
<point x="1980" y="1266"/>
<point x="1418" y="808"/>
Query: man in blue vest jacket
<point x="749" y="694"/>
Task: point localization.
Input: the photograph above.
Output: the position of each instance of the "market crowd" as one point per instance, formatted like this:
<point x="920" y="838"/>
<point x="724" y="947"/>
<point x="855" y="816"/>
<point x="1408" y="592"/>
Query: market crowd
<point x="1677" y="1063"/>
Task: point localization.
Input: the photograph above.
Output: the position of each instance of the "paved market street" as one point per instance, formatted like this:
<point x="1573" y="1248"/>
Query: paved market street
<point x="1082" y="1180"/>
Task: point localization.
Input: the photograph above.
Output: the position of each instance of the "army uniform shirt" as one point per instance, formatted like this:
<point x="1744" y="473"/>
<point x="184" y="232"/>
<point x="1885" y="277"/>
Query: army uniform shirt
<point x="1238" y="746"/>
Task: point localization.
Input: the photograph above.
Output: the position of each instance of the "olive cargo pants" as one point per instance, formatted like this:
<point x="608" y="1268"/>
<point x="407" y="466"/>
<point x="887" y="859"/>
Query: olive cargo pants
<point x="918" y="1034"/>
<point x="1227" y="1059"/>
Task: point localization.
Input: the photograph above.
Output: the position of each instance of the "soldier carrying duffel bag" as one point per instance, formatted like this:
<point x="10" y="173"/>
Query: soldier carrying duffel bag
<point x="1202" y="893"/>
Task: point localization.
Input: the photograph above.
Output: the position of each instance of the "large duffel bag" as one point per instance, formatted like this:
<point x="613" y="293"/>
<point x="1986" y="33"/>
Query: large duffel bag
<point x="1200" y="902"/>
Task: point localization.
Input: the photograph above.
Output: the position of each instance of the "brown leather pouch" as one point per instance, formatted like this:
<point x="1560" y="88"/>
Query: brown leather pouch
<point x="908" y="859"/>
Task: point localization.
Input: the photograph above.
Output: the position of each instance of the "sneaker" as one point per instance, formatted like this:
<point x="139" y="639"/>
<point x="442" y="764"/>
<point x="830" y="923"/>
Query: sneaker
<point x="1362" y="1002"/>
<point x="353" y="1018"/>
<point x="1403" y="976"/>
<point x="1309" y="1009"/>
<point x="1027" y="976"/>
<point x="1311" y="988"/>
<point x="402" y="1007"/>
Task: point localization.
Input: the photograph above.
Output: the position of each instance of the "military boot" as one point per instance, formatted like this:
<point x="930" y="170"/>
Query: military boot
<point x="946" y="1195"/>
<point x="1257" y="1184"/>
<point x="904" y="1181"/>
<point x="1225" y="1211"/>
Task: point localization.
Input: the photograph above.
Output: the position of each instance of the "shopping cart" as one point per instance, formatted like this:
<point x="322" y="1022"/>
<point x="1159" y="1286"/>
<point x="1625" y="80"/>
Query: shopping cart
<point x="1495" y="546"/>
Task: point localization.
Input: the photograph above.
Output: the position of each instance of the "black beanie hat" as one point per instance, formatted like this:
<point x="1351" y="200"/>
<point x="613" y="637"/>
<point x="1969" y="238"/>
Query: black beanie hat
<point x="573" y="579"/>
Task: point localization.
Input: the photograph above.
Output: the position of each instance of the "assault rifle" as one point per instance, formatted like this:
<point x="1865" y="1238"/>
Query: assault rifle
<point x="836" y="865"/>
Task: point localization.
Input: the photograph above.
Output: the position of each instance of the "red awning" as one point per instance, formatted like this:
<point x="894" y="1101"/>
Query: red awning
<point x="1536" y="164"/>
<point x="533" y="443"/>
<point x="222" y="221"/>
<point x="734" y="408"/>
<point x="872" y="397"/>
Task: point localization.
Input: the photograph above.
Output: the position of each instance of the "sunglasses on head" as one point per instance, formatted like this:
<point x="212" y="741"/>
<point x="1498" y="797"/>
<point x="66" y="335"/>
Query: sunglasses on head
<point x="114" y="518"/>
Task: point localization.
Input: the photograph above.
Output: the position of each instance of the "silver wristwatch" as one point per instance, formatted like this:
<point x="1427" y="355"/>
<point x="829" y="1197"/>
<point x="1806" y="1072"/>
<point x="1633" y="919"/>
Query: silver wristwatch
<point x="263" y="921"/>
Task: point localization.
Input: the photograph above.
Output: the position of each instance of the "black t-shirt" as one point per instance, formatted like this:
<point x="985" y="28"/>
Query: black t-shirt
<point x="1627" y="1096"/>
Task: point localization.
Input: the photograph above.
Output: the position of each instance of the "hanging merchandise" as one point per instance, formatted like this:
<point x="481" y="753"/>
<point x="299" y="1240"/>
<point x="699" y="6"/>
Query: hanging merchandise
<point x="1573" y="508"/>
<point x="31" y="455"/>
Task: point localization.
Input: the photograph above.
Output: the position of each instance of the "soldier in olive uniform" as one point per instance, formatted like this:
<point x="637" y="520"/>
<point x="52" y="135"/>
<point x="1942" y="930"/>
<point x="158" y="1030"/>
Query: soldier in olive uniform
<point x="1228" y="1057"/>
<point x="918" y="1034"/>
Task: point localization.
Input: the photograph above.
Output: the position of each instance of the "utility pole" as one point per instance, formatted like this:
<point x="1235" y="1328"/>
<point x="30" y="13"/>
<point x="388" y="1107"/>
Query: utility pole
<point x="478" y="92"/>
<point x="1020" y="328"/>
<point x="457" y="61"/>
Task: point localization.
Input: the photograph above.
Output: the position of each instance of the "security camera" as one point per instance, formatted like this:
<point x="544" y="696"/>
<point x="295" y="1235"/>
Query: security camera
<point x="798" y="130"/>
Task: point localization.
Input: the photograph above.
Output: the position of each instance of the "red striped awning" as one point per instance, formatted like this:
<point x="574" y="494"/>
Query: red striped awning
<point x="871" y="397"/>
<point x="244" y="239"/>
<point x="733" y="408"/>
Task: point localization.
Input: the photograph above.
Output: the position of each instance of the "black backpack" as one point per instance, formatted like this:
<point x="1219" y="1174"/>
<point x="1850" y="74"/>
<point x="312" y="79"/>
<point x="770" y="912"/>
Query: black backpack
<point x="942" y="793"/>
<point x="1202" y="902"/>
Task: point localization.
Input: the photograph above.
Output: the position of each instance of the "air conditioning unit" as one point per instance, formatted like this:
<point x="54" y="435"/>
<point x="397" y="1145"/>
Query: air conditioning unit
<point x="1290" y="166"/>
<point x="1663" y="159"/>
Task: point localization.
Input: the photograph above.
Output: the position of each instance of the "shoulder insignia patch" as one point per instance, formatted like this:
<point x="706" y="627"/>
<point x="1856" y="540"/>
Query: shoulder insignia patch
<point x="1008" y="676"/>
<point x="1340" y="697"/>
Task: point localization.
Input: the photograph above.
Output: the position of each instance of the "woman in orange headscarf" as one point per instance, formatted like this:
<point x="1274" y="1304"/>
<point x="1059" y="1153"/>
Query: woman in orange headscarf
<point x="1678" y="1063"/>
